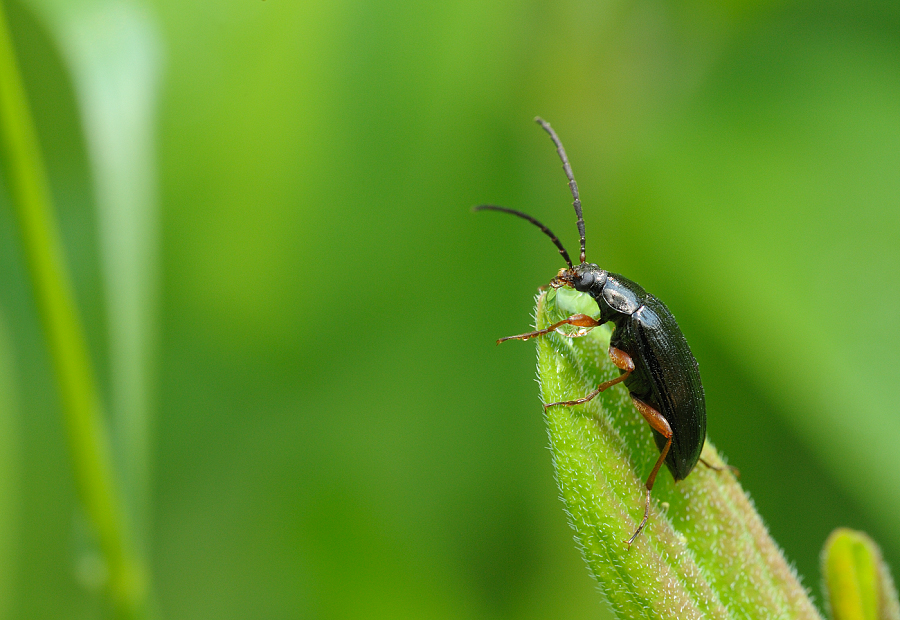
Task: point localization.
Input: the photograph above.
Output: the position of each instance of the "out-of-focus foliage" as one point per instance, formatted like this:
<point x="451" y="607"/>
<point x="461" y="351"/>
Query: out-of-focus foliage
<point x="858" y="585"/>
<point x="333" y="433"/>
<point x="10" y="475"/>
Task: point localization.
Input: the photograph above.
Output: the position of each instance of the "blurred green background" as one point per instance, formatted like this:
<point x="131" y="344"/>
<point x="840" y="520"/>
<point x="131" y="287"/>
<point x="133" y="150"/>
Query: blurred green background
<point x="265" y="208"/>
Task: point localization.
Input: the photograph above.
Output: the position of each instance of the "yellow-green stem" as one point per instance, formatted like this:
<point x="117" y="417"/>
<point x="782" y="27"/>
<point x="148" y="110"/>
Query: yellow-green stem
<point x="87" y="433"/>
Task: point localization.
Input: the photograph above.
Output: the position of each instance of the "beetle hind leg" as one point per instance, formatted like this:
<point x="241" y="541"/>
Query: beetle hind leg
<point x="734" y="470"/>
<point x="658" y="423"/>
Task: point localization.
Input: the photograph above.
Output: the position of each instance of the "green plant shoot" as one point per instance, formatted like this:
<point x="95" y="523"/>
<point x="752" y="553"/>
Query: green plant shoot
<point x="705" y="552"/>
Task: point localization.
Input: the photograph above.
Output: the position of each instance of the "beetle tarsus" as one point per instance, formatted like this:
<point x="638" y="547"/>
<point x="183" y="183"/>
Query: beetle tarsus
<point x="734" y="470"/>
<point x="640" y="528"/>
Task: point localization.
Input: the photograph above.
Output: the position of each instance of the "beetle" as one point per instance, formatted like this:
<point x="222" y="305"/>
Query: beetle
<point x="653" y="357"/>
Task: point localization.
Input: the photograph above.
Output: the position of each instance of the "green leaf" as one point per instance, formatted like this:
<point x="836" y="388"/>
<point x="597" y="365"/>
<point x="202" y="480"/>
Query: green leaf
<point x="87" y="432"/>
<point x="112" y="50"/>
<point x="857" y="581"/>
<point x="705" y="553"/>
<point x="10" y="471"/>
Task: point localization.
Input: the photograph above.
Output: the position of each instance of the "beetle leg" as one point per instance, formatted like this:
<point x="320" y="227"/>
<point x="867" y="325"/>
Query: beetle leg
<point x="660" y="425"/>
<point x="576" y="320"/>
<point x="734" y="470"/>
<point x="622" y="360"/>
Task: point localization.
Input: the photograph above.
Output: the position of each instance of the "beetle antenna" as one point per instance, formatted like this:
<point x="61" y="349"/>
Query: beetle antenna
<point x="525" y="216"/>
<point x="568" y="170"/>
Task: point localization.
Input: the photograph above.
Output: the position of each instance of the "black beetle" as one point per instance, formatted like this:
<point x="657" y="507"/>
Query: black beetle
<point x="653" y="357"/>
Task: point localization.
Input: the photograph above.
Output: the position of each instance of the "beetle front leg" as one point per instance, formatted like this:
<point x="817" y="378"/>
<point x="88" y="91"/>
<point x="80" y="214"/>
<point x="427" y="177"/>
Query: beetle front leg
<point x="576" y="320"/>
<point x="622" y="361"/>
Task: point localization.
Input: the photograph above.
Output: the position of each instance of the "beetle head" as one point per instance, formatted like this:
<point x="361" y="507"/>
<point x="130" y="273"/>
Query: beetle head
<point x="581" y="277"/>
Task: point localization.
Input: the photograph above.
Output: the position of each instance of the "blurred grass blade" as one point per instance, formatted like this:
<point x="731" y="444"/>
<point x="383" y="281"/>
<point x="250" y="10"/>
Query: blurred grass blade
<point x="707" y="555"/>
<point x="88" y="439"/>
<point x="112" y="50"/>
<point x="9" y="474"/>
<point x="858" y="583"/>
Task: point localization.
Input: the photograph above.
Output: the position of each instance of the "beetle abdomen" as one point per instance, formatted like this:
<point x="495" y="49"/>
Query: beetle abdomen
<point x="666" y="377"/>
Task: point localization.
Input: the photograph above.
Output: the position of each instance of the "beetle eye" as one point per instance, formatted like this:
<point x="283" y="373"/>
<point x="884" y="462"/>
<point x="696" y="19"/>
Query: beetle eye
<point x="585" y="281"/>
